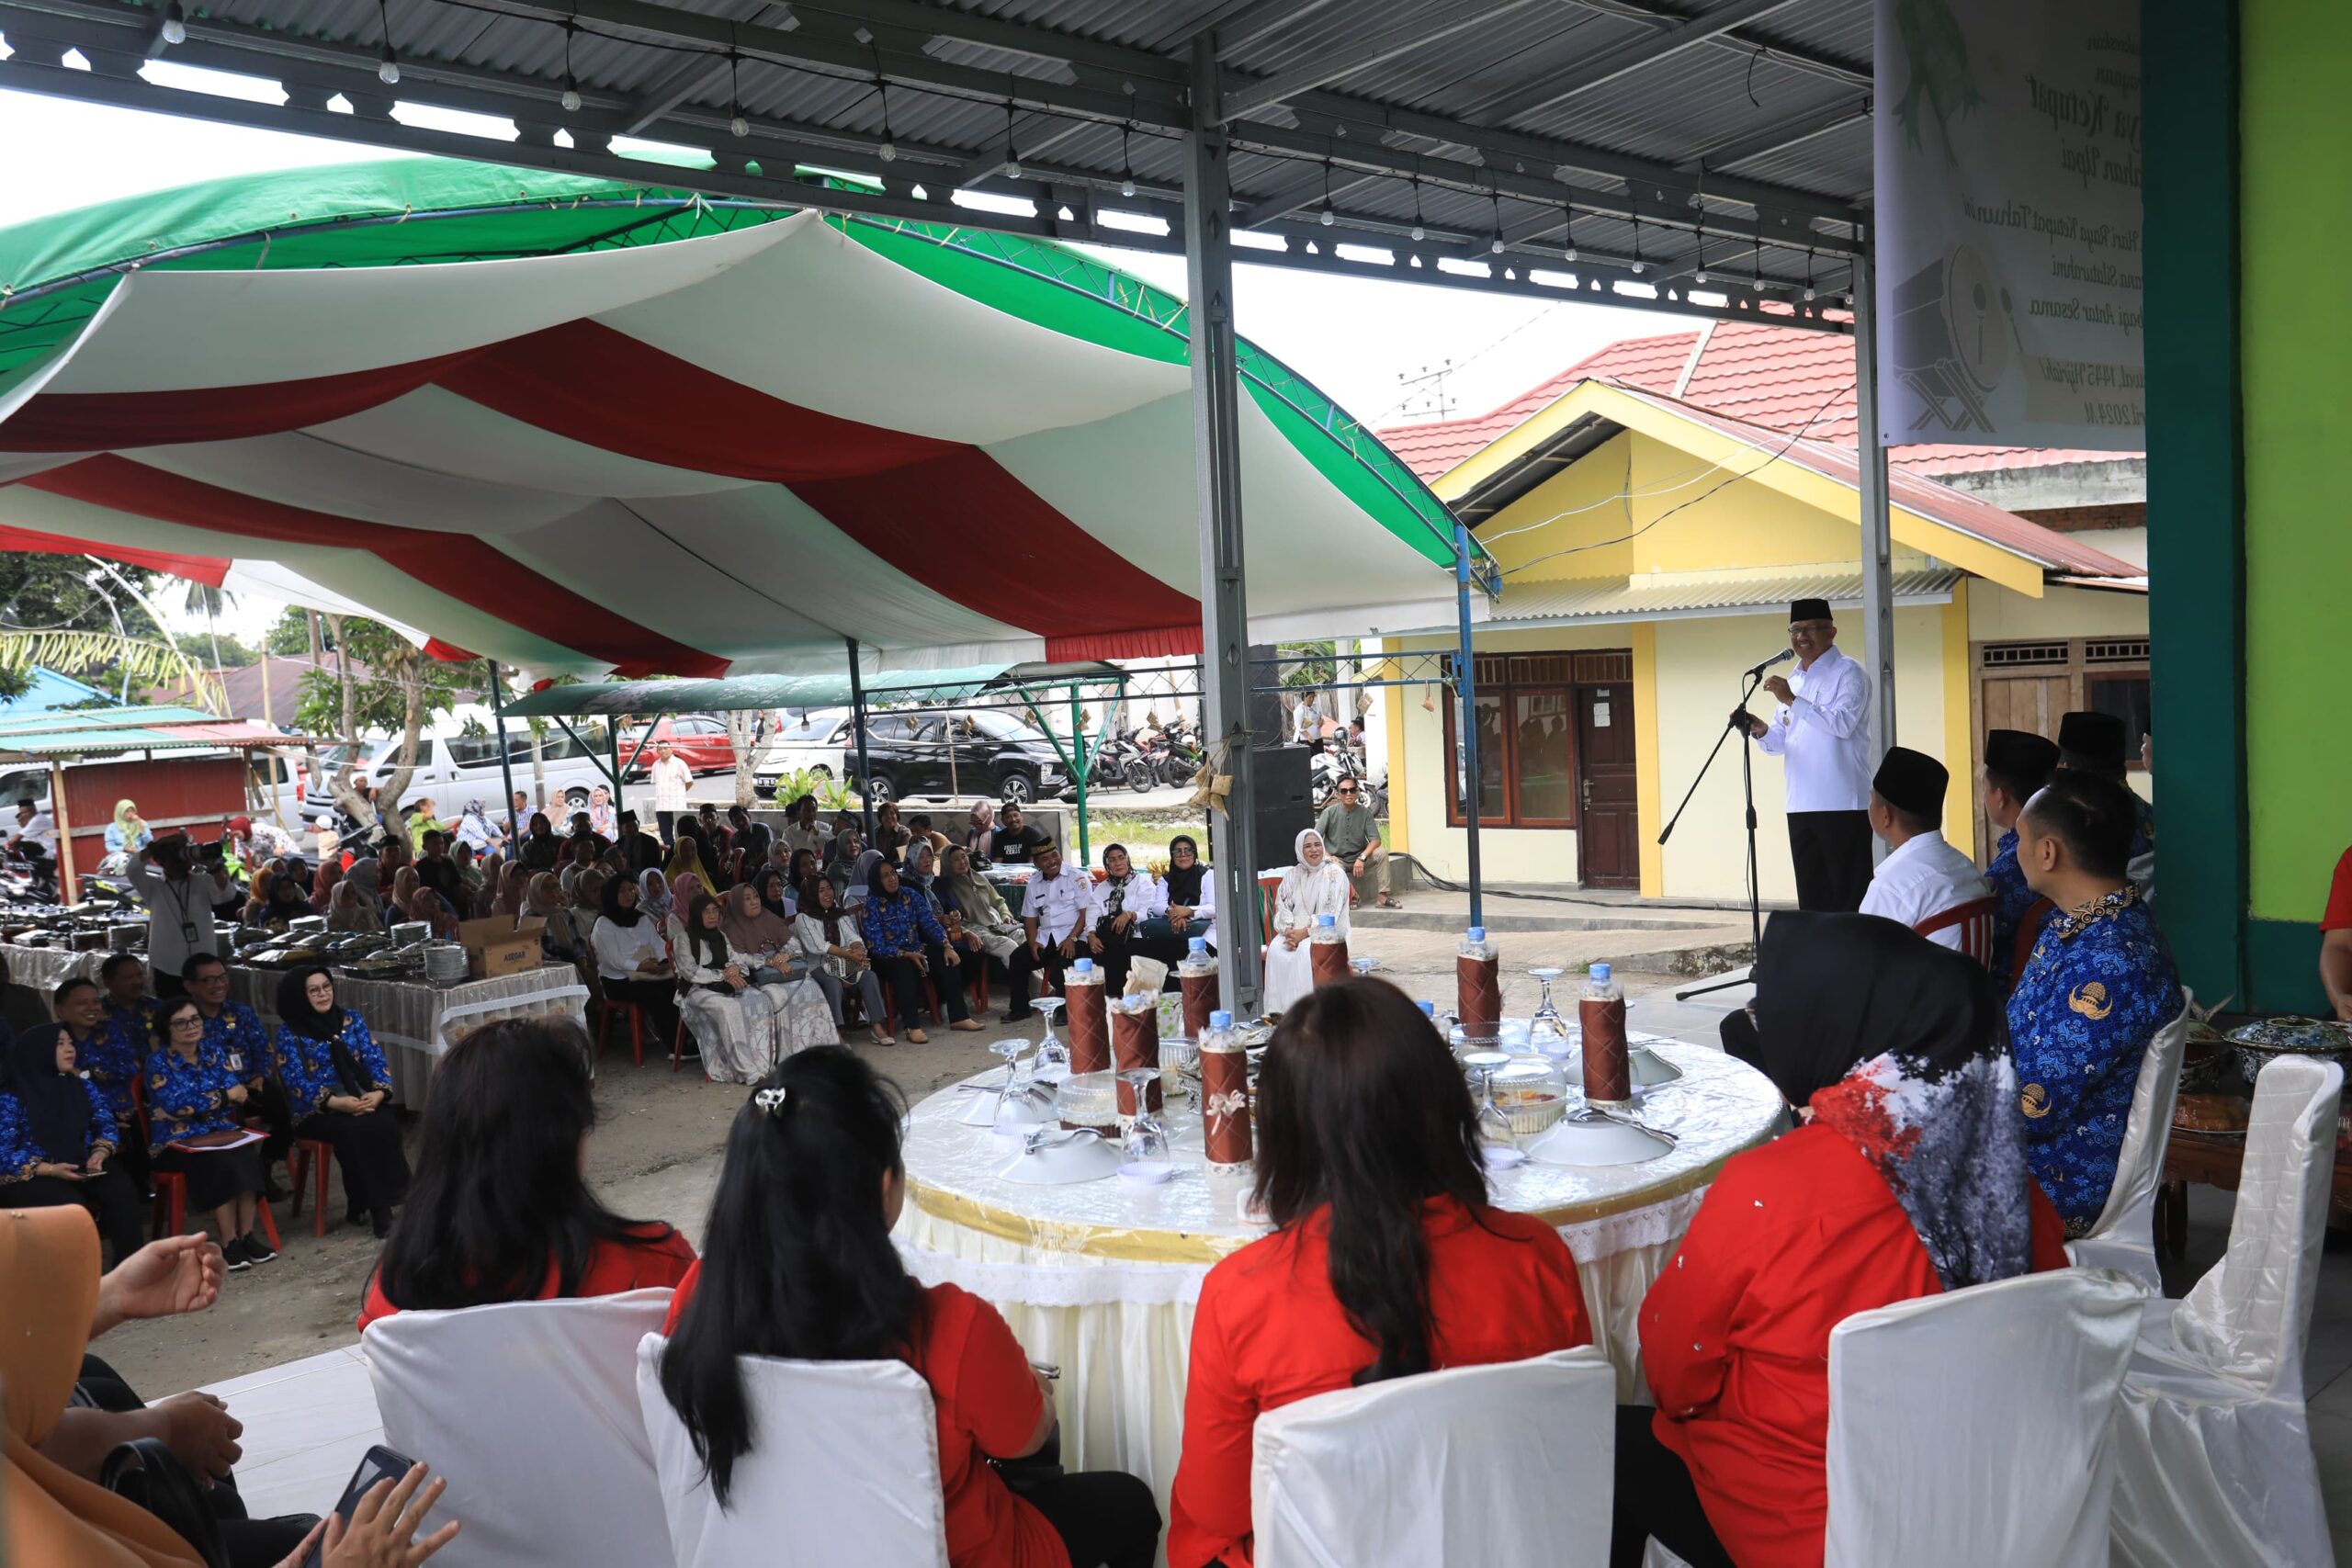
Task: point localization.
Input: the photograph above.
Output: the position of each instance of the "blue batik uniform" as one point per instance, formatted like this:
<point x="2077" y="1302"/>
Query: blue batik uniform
<point x="2098" y="985"/>
<point x="111" y="1060"/>
<point x="236" y="1035"/>
<point x="2011" y="899"/>
<point x="20" y="1156"/>
<point x="306" y="1067"/>
<point x="190" y="1099"/>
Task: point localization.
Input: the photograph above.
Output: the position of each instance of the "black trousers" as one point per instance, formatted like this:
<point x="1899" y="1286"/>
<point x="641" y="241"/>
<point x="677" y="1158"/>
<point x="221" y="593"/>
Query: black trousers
<point x="1118" y="954"/>
<point x="905" y="981"/>
<point x="1656" y="1497"/>
<point x="1832" y="853"/>
<point x="367" y="1148"/>
<point x="664" y="821"/>
<point x="658" y="996"/>
<point x="1023" y="964"/>
<point x="250" y="1542"/>
<point x="1106" y="1518"/>
<point x="111" y="1197"/>
<point x="167" y="984"/>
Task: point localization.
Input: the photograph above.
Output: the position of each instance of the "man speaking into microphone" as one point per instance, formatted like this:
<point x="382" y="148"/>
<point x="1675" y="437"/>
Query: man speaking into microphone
<point x="1823" y="731"/>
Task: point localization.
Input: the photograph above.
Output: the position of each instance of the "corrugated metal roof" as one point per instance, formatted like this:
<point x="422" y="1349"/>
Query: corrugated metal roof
<point x="97" y="732"/>
<point x="1599" y="599"/>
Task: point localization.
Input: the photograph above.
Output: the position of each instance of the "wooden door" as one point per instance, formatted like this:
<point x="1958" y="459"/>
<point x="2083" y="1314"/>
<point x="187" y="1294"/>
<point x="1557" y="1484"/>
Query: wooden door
<point x="2033" y="702"/>
<point x="1609" y="850"/>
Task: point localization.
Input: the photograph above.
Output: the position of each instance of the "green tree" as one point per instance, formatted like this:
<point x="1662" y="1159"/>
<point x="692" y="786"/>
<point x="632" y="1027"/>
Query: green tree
<point x="88" y="618"/>
<point x="377" y="682"/>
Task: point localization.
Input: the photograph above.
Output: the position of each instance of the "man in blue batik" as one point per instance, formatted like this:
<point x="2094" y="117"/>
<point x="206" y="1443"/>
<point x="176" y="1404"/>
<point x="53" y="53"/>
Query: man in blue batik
<point x="2097" y="986"/>
<point x="2093" y="743"/>
<point x="2017" y="763"/>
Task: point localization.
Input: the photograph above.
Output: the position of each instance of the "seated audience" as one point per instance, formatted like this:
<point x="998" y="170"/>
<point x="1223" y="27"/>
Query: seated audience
<point x="1014" y="841"/>
<point x="1316" y="886"/>
<point x="801" y="828"/>
<point x="352" y="907"/>
<point x="1123" y="899"/>
<point x="235" y="1034"/>
<point x="287" y="901"/>
<point x="1058" y="911"/>
<point x="1351" y="833"/>
<point x="340" y="1090"/>
<point x="500" y="1209"/>
<point x="632" y="960"/>
<point x="825" y="936"/>
<point x="129" y="830"/>
<point x="2098" y="985"/>
<point x="111" y="1049"/>
<point x="2096" y="743"/>
<point x="196" y="1100"/>
<point x="718" y="840"/>
<point x="512" y="882"/>
<point x="890" y="836"/>
<point x="1387" y="1257"/>
<point x="730" y="1015"/>
<point x="541" y="848"/>
<point x="909" y="945"/>
<point x="653" y="896"/>
<point x="1905" y="1177"/>
<point x="477" y="832"/>
<point x="842" y="854"/>
<point x="585" y="888"/>
<point x="256" y="904"/>
<point x="638" y="851"/>
<point x="986" y="929"/>
<point x="433" y="910"/>
<point x="323" y="885"/>
<point x="687" y="869"/>
<point x="123" y="979"/>
<point x="919" y="830"/>
<point x="798" y="1264"/>
<point x="979" y="831"/>
<point x="776" y="890"/>
<point x="441" y="873"/>
<point x="1188" y="898"/>
<point x="750" y="840"/>
<point x="2017" y="763"/>
<point x="58" y="1133"/>
<point x="559" y="941"/>
<point x="2336" y="940"/>
<point x="1922" y="875"/>
<point x="602" y="819"/>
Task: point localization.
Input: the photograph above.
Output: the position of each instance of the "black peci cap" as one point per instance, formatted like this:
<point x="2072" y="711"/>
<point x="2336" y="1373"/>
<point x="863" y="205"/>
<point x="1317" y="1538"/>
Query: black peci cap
<point x="1912" y="781"/>
<point x="2091" y="742"/>
<point x="1809" y="610"/>
<point x="2022" y="759"/>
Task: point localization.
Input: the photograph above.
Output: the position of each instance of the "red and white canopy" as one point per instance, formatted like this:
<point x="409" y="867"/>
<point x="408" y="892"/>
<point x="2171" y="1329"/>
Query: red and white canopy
<point x="594" y="428"/>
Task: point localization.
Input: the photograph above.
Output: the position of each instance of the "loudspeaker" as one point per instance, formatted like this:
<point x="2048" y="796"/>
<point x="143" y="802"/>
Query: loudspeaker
<point x="1268" y="723"/>
<point x="1282" y="800"/>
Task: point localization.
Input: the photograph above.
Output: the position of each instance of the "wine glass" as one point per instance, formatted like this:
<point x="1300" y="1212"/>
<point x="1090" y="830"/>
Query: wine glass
<point x="1016" y="1102"/>
<point x="1547" y="1024"/>
<point x="1053" y="1056"/>
<point x="1363" y="965"/>
<point x="1146" y="1143"/>
<point x="1494" y="1127"/>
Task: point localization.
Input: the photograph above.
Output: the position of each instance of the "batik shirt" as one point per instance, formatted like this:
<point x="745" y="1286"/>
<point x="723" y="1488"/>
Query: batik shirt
<point x="187" y="1100"/>
<point x="306" y="1066"/>
<point x="110" y="1058"/>
<point x="2011" y="899"/>
<point x="2098" y="985"/>
<point x="237" y="1036"/>
<point x="19" y="1155"/>
<point x="899" y="922"/>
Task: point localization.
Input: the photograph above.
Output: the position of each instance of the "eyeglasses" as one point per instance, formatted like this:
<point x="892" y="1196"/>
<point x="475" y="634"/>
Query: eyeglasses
<point x="1347" y="789"/>
<point x="188" y="1021"/>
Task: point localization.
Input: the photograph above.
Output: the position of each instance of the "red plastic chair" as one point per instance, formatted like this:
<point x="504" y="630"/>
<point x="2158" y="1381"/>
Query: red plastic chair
<point x="2029" y="928"/>
<point x="1974" y="920"/>
<point x="306" y="1150"/>
<point x="170" y="1212"/>
<point x="635" y="1018"/>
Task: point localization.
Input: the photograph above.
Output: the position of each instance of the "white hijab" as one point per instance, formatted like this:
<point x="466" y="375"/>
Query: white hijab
<point x="1319" y="890"/>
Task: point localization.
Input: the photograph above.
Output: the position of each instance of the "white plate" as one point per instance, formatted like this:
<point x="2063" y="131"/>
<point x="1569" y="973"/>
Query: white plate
<point x="1648" y="1068"/>
<point x="1601" y="1142"/>
<point x="1497" y="1157"/>
<point x="1070" y="1157"/>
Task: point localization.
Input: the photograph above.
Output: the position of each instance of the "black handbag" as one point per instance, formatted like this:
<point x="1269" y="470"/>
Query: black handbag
<point x="146" y="1474"/>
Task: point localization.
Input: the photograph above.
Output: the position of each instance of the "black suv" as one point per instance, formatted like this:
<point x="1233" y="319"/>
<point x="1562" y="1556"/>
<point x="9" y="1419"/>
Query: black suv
<point x="994" y="754"/>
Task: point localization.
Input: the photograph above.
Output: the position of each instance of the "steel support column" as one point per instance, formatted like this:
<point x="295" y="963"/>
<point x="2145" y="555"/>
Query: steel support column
<point x="857" y="728"/>
<point x="1878" y="572"/>
<point x="506" y="760"/>
<point x="1466" y="687"/>
<point x="1216" y="463"/>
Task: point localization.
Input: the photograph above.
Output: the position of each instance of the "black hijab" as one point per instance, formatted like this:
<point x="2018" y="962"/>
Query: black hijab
<point x="610" y="902"/>
<point x="295" y="1011"/>
<point x="709" y="946"/>
<point x="1903" y="1047"/>
<point x="1184" y="881"/>
<point x="769" y="882"/>
<point x="57" y="1106"/>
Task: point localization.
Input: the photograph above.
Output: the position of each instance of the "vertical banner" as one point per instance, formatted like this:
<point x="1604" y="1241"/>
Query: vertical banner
<point x="2007" y="192"/>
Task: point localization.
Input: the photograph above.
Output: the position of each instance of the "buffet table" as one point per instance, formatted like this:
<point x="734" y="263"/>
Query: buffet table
<point x="1101" y="1278"/>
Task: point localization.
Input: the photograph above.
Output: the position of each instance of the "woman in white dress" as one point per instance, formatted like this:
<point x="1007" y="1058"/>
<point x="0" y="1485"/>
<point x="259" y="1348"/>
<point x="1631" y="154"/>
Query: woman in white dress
<point x="732" y="1020"/>
<point x="1316" y="886"/>
<point x="803" y="1017"/>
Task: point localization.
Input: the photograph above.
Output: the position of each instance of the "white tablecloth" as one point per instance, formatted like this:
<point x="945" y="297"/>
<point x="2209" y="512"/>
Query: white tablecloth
<point x="1101" y="1278"/>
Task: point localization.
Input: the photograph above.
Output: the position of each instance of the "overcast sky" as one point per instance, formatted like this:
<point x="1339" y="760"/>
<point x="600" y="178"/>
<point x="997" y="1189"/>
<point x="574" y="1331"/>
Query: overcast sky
<point x="1353" y="338"/>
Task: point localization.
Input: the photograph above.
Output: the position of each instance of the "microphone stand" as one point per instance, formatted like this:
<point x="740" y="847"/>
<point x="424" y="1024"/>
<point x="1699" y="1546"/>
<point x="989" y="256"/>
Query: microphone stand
<point x="1747" y="790"/>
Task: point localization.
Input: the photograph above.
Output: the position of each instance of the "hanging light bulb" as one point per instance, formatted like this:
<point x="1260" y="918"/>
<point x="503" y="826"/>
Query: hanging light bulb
<point x="1011" y="153"/>
<point x="1327" y="218"/>
<point x="1568" y="255"/>
<point x="571" y="96"/>
<point x="1127" y="188"/>
<point x="387" y="70"/>
<point x="1808" y="294"/>
<point x="571" y="99"/>
<point x="175" y="27"/>
<point x="1127" y="158"/>
<point x="1496" y="245"/>
<point x="1703" y="275"/>
<point x="887" y="151"/>
<point x="736" y="124"/>
<point x="739" y="126"/>
<point x="1420" y="233"/>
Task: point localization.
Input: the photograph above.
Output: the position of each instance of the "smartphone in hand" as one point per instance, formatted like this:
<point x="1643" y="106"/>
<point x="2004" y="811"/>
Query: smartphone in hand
<point x="379" y="1463"/>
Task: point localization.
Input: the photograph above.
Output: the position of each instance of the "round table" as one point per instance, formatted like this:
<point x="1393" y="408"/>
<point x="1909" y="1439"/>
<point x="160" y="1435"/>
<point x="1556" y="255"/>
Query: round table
<point x="1101" y="1278"/>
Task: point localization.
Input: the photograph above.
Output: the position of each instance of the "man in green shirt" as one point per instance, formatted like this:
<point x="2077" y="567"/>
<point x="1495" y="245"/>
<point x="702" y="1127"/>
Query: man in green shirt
<point x="421" y="821"/>
<point x="1354" y="839"/>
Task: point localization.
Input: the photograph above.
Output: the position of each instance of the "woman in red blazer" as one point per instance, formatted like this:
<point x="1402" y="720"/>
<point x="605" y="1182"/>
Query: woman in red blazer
<point x="1386" y="1258"/>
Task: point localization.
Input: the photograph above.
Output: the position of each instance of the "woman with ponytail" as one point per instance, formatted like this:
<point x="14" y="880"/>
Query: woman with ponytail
<point x="798" y="1264"/>
<point x="1386" y="1258"/>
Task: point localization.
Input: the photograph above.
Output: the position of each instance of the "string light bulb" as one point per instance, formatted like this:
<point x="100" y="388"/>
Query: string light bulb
<point x="571" y="99"/>
<point x="888" y="151"/>
<point x="175" y="27"/>
<point x="736" y="124"/>
<point x="1127" y="158"/>
<point x="387" y="67"/>
<point x="1496" y="245"/>
<point x="1419" y="231"/>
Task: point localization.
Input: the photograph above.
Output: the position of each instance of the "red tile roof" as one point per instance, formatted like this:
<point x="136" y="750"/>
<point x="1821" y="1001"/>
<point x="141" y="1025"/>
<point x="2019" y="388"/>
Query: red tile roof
<point x="1778" y="377"/>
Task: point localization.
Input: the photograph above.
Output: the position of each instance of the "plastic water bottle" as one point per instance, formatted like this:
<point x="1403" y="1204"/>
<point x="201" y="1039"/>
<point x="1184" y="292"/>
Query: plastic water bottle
<point x="1608" y="1075"/>
<point x="1478" y="986"/>
<point x="1196" y="977"/>
<point x="1225" y="1091"/>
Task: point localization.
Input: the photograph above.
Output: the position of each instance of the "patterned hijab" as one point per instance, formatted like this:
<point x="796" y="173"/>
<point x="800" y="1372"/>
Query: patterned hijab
<point x="1903" y="1047"/>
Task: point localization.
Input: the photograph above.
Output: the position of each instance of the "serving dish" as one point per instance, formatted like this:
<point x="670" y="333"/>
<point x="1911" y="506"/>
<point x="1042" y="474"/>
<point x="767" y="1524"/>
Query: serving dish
<point x="1590" y="1138"/>
<point x="1057" y="1156"/>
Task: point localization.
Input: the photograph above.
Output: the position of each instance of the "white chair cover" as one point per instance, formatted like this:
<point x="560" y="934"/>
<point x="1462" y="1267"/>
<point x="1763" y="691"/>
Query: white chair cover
<point x="845" y="1469"/>
<point x="528" y="1409"/>
<point x="1973" y="1427"/>
<point x="2213" y="1439"/>
<point x="1511" y="1462"/>
<point x="2125" y="1237"/>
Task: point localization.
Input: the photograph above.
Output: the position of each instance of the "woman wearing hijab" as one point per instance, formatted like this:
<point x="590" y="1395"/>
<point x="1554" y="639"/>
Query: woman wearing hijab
<point x="1316" y="886"/>
<point x="341" y="1091"/>
<point x="632" y="959"/>
<point x="1906" y="1177"/>
<point x="909" y="945"/>
<point x="541" y="849"/>
<point x="774" y="893"/>
<point x="826" y="937"/>
<point x="128" y="831"/>
<point x="919" y="869"/>
<point x="559" y="939"/>
<point x="323" y="885"/>
<point x="257" y="896"/>
<point x="429" y="908"/>
<point x="842" y="857"/>
<point x="58" y="1139"/>
<point x="979" y="831"/>
<point x="686" y="861"/>
<point x="349" y="910"/>
<point x="653" y="895"/>
<point x="731" y="1019"/>
<point x="285" y="903"/>
<point x="513" y="884"/>
<point x="1189" y="896"/>
<point x="989" y="928"/>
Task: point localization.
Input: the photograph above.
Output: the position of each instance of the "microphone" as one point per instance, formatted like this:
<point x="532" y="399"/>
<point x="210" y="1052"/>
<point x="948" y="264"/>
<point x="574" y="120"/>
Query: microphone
<point x="1780" y="657"/>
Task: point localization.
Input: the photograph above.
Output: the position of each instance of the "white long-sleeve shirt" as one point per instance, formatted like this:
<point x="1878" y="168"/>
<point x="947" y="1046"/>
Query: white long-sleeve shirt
<point x="693" y="971"/>
<point x="619" y="949"/>
<point x="1924" y="877"/>
<point x="1824" y="736"/>
<point x="1061" y="905"/>
<point x="179" y="914"/>
<point x="1145" y="896"/>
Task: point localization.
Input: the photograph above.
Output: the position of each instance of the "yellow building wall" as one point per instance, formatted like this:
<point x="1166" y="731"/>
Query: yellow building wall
<point x="1996" y="617"/>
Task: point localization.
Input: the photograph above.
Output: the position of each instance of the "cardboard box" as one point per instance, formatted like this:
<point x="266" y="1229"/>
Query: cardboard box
<point x="502" y="945"/>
